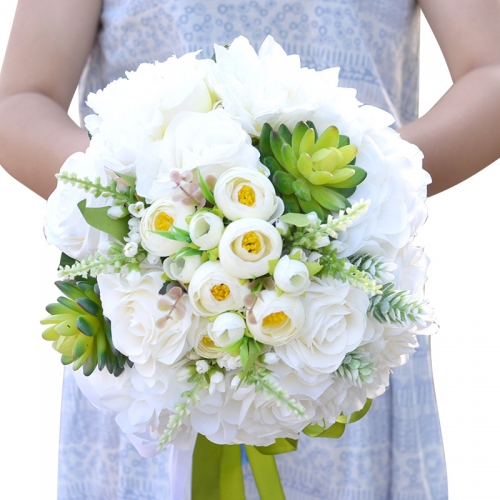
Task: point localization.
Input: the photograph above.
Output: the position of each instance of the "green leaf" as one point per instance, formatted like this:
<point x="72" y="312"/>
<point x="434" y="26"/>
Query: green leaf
<point x="299" y="220"/>
<point x="343" y="141"/>
<point x="186" y="252"/>
<point x="312" y="206"/>
<point x="285" y="133"/>
<point x="277" y="143"/>
<point x="174" y="233"/>
<point x="310" y="124"/>
<point x="205" y="189"/>
<point x="298" y="133"/>
<point x="291" y="203"/>
<point x="254" y="351"/>
<point x="328" y="139"/>
<point x="345" y="192"/>
<point x="88" y="325"/>
<point x="301" y="189"/>
<point x="353" y="181"/>
<point x="98" y="218"/>
<point x="244" y="352"/>
<point x="131" y="181"/>
<point x="265" y="142"/>
<point x="283" y="182"/>
<point x="329" y="199"/>
<point x="273" y="166"/>
<point x="272" y="265"/>
<point x="88" y="305"/>
<point x="313" y="268"/>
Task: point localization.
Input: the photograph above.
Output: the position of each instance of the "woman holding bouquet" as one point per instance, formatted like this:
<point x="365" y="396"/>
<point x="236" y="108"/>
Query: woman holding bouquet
<point x="395" y="451"/>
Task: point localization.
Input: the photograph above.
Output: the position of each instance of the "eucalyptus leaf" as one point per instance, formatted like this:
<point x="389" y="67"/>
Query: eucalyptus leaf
<point x="99" y="219"/>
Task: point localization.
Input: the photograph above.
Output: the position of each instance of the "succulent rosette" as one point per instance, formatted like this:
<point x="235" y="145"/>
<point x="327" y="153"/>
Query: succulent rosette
<point x="237" y="251"/>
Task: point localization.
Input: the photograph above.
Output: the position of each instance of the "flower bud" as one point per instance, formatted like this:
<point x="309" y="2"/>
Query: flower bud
<point x="283" y="228"/>
<point x="182" y="269"/>
<point x="205" y="230"/>
<point x="202" y="366"/>
<point x="291" y="276"/>
<point x="137" y="209"/>
<point x="117" y="212"/>
<point x="227" y="329"/>
<point x="130" y="249"/>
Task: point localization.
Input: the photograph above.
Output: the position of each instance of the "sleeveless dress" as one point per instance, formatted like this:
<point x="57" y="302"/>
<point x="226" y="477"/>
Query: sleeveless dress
<point x="395" y="452"/>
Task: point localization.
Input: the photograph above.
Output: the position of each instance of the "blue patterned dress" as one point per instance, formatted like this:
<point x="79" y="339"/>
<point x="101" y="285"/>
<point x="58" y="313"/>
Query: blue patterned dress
<point x="396" y="451"/>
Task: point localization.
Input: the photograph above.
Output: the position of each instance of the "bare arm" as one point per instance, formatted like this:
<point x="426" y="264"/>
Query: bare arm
<point x="48" y="47"/>
<point x="460" y="134"/>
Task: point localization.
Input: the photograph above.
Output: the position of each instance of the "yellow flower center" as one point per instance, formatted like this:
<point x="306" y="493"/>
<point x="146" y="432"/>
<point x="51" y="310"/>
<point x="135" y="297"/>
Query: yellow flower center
<point x="251" y="243"/>
<point x="276" y="319"/>
<point x="220" y="292"/>
<point x="246" y="196"/>
<point x="208" y="342"/>
<point x="163" y="222"/>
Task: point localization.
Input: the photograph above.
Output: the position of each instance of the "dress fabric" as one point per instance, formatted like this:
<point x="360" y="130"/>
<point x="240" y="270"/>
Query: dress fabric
<point x="395" y="452"/>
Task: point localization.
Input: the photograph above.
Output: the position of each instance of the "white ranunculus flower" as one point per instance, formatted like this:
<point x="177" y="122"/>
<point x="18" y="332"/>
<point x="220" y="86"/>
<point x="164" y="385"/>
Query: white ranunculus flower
<point x="134" y="314"/>
<point x="291" y="276"/>
<point x="213" y="291"/>
<point x="247" y="246"/>
<point x="227" y="329"/>
<point x="278" y="319"/>
<point x="335" y="324"/>
<point x="65" y="226"/>
<point x="212" y="141"/>
<point x="241" y="193"/>
<point x="205" y="230"/>
<point x="160" y="216"/>
<point x="182" y="269"/>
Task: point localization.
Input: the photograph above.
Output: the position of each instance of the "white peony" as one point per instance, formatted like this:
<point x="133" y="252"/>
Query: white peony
<point x="241" y="193"/>
<point x="132" y="113"/>
<point x="65" y="226"/>
<point x="182" y="269"/>
<point x="278" y="318"/>
<point x="213" y="291"/>
<point x="205" y="230"/>
<point x="335" y="324"/>
<point x="134" y="314"/>
<point x="211" y="141"/>
<point x="160" y="216"/>
<point x="247" y="246"/>
<point x="291" y="276"/>
<point x="227" y="329"/>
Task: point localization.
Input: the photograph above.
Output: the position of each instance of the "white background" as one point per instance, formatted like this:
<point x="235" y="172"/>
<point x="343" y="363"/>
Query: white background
<point x="461" y="237"/>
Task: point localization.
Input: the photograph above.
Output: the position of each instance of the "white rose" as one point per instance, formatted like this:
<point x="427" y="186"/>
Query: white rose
<point x="65" y="226"/>
<point x="212" y="141"/>
<point x="134" y="314"/>
<point x="227" y="329"/>
<point x="247" y="246"/>
<point x="160" y="216"/>
<point x="205" y="230"/>
<point x="291" y="276"/>
<point x="182" y="269"/>
<point x="241" y="193"/>
<point x="278" y="319"/>
<point x="213" y="291"/>
<point x="335" y="324"/>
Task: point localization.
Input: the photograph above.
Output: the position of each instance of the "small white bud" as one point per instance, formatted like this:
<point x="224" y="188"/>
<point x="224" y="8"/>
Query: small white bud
<point x="135" y="237"/>
<point x="202" y="366"/>
<point x="153" y="259"/>
<point x="134" y="223"/>
<point x="236" y="381"/>
<point x="130" y="249"/>
<point x="283" y="228"/>
<point x="270" y="358"/>
<point x="137" y="209"/>
<point x="117" y="212"/>
<point x="216" y="377"/>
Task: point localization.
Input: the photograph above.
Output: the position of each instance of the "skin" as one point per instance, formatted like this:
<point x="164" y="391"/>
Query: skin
<point x="50" y="42"/>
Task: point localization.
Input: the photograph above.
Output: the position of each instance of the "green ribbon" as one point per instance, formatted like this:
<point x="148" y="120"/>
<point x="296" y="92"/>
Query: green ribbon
<point x="218" y="475"/>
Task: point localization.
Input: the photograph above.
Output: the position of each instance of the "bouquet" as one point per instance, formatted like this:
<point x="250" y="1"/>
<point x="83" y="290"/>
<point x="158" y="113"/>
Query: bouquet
<point x="237" y="260"/>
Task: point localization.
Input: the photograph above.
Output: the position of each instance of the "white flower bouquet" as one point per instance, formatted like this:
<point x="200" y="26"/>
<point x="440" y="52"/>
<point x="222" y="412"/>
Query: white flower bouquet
<point x="237" y="251"/>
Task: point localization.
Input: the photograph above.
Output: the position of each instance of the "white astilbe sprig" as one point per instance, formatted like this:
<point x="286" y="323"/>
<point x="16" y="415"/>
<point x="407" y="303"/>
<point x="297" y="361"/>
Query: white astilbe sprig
<point x="378" y="267"/>
<point x="356" y="368"/>
<point x="183" y="408"/>
<point x="96" y="188"/>
<point x="265" y="382"/>
<point x="97" y="263"/>
<point x="318" y="235"/>
<point x="399" y="307"/>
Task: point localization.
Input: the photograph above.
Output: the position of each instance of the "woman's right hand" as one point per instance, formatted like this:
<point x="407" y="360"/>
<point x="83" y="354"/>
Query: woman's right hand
<point x="48" y="48"/>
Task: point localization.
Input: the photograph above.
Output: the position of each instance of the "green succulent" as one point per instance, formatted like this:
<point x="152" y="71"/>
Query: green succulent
<point x="311" y="173"/>
<point x="79" y="330"/>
